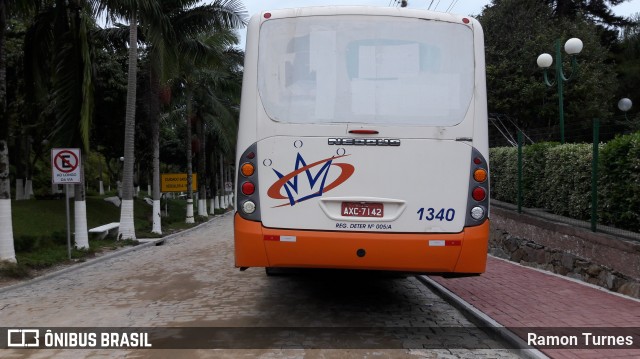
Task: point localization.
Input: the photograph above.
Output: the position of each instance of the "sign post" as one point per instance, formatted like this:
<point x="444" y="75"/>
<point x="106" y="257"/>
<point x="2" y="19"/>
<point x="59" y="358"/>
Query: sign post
<point x="66" y="170"/>
<point x="177" y="182"/>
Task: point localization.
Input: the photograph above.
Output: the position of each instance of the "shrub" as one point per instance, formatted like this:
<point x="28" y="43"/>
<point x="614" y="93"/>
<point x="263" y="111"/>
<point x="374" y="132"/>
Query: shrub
<point x="504" y="173"/>
<point x="558" y="178"/>
<point x="568" y="180"/>
<point x="26" y="243"/>
<point x="534" y="171"/>
<point x="619" y="189"/>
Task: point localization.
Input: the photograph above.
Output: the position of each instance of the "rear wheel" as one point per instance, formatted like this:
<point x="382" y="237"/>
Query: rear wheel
<point x="276" y="272"/>
<point x="270" y="272"/>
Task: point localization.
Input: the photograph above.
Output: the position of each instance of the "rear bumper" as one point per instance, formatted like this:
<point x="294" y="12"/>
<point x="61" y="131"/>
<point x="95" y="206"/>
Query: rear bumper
<point x="257" y="246"/>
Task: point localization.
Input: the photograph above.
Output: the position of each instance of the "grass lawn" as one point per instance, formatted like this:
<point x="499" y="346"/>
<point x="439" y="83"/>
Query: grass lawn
<point x="40" y="230"/>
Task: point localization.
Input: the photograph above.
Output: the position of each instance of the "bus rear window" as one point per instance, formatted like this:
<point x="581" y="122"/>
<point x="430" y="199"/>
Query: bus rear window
<point x="365" y="69"/>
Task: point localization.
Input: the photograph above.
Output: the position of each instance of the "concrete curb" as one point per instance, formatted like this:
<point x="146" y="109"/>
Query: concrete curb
<point x="483" y="320"/>
<point x="144" y="243"/>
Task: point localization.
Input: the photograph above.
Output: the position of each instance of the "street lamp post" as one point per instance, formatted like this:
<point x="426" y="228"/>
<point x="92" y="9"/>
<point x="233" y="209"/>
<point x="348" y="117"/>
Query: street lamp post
<point x="625" y="105"/>
<point x="572" y="47"/>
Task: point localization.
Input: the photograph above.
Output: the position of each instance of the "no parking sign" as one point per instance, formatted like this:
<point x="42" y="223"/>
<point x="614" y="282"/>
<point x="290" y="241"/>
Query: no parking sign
<point x="66" y="165"/>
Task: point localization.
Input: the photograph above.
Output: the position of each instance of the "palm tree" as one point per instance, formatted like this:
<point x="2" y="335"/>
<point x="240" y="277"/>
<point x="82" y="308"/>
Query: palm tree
<point x="212" y="57"/>
<point x="7" y="249"/>
<point x="218" y="99"/>
<point x="178" y="48"/>
<point x="149" y="12"/>
<point x="127" y="228"/>
<point x="58" y="54"/>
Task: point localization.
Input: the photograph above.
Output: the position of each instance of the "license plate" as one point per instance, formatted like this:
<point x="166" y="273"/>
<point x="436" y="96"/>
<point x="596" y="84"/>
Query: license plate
<point x="359" y="209"/>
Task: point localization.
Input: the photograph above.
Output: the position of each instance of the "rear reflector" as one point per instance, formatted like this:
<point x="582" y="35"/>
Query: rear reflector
<point x="445" y="243"/>
<point x="280" y="238"/>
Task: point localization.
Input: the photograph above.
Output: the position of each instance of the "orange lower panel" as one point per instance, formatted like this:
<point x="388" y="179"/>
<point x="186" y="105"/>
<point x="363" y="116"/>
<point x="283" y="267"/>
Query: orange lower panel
<point x="464" y="252"/>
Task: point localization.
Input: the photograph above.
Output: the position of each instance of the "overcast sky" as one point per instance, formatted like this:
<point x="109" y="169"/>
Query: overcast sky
<point x="464" y="7"/>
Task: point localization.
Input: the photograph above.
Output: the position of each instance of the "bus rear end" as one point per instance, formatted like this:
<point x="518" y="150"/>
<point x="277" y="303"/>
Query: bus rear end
<point x="363" y="142"/>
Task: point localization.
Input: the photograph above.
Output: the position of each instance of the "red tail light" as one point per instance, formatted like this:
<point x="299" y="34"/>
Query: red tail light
<point x="479" y="194"/>
<point x="248" y="188"/>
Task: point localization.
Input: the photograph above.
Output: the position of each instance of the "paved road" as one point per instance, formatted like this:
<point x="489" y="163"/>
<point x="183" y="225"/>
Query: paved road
<point x="190" y="281"/>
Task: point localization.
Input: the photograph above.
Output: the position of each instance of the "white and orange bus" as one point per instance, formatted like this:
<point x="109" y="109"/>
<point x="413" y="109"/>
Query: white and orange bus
<point x="363" y="142"/>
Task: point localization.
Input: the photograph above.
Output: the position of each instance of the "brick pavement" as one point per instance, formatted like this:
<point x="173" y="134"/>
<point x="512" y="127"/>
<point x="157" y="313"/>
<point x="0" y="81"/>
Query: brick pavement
<point x="191" y="281"/>
<point x="516" y="296"/>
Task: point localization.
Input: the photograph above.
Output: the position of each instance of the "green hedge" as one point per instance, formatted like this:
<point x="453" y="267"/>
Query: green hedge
<point x="619" y="194"/>
<point x="504" y="173"/>
<point x="558" y="178"/>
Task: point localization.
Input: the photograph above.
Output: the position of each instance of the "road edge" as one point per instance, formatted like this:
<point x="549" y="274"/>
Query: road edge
<point x="482" y="320"/>
<point x="144" y="243"/>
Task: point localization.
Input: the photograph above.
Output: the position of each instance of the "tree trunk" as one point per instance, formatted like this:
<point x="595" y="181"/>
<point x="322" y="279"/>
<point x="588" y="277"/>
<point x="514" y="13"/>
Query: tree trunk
<point x="127" y="229"/>
<point x="202" y="157"/>
<point x="81" y="235"/>
<point x="100" y="182"/>
<point x="212" y="176"/>
<point x="189" y="218"/>
<point x="223" y="192"/>
<point x="155" y="137"/>
<point x="28" y="173"/>
<point x="19" y="189"/>
<point x="7" y="250"/>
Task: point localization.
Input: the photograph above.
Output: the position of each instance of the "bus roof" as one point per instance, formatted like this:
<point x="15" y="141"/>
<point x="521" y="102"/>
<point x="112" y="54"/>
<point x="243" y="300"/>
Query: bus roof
<point x="365" y="10"/>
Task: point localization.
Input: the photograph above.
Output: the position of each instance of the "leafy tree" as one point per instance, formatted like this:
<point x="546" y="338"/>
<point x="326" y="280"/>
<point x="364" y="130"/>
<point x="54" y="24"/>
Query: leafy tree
<point x="596" y="11"/>
<point x="218" y="98"/>
<point x="628" y="61"/>
<point x="515" y="83"/>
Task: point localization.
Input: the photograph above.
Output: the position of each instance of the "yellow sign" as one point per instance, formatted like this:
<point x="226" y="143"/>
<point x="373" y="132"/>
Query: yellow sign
<point x="177" y="182"/>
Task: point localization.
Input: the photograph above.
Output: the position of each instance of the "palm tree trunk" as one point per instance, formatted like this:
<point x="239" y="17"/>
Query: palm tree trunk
<point x="218" y="202"/>
<point x="127" y="229"/>
<point x="101" y="183"/>
<point x="157" y="219"/>
<point x="212" y="176"/>
<point x="189" y="218"/>
<point x="223" y="192"/>
<point x="155" y="137"/>
<point x="7" y="250"/>
<point x="81" y="235"/>
<point x="202" y="157"/>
